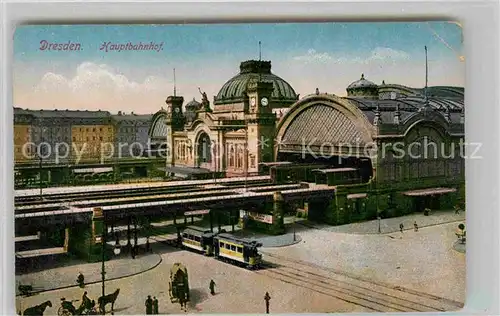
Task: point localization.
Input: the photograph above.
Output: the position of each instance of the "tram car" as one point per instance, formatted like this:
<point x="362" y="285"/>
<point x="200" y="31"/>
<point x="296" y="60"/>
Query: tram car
<point x="178" y="286"/>
<point x="198" y="239"/>
<point x="239" y="251"/>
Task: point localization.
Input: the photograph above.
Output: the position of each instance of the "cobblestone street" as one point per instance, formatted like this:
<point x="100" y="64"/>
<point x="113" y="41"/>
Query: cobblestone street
<point x="422" y="261"/>
<point x="237" y="291"/>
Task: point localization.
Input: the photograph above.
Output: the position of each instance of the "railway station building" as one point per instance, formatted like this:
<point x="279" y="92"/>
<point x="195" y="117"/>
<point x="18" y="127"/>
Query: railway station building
<point x="389" y="149"/>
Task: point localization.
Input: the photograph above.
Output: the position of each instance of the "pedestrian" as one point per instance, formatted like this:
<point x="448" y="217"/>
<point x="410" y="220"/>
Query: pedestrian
<point x="80" y="280"/>
<point x="155" y="305"/>
<point x="149" y="305"/>
<point x="86" y="302"/>
<point x="457" y="210"/>
<point x="212" y="287"/>
<point x="401" y="226"/>
<point x="415" y="226"/>
<point x="133" y="252"/>
<point x="267" y="298"/>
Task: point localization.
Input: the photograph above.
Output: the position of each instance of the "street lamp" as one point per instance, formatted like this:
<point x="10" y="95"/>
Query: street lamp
<point x="116" y="251"/>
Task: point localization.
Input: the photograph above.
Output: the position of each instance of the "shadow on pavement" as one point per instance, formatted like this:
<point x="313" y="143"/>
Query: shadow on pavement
<point x="197" y="296"/>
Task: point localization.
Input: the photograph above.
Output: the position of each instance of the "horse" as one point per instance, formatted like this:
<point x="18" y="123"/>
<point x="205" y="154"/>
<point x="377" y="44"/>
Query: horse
<point x="106" y="299"/>
<point x="37" y="310"/>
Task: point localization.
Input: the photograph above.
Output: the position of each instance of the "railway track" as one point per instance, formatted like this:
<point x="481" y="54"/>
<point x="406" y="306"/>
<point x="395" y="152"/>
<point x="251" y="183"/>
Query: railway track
<point x="372" y="295"/>
<point x="152" y="192"/>
<point x="375" y="296"/>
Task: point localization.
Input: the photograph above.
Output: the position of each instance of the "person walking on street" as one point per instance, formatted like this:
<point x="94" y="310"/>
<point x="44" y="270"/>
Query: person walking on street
<point x="155" y="305"/>
<point x="86" y="302"/>
<point x="401" y="226"/>
<point x="212" y="287"/>
<point x="267" y="298"/>
<point x="415" y="226"/>
<point x="149" y="305"/>
<point x="81" y="280"/>
<point x="457" y="210"/>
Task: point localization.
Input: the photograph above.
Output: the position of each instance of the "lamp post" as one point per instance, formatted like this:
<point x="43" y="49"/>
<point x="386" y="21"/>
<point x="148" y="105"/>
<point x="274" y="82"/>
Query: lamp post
<point x="116" y="251"/>
<point x="294" y="236"/>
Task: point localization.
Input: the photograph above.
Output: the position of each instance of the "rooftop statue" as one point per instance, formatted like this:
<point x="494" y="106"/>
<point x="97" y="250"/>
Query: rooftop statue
<point x="204" y="100"/>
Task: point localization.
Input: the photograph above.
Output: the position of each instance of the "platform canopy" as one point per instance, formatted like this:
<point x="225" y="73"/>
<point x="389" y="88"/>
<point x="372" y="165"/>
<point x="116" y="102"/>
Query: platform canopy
<point x="186" y="170"/>
<point x="356" y="196"/>
<point x="335" y="170"/>
<point x="429" y="191"/>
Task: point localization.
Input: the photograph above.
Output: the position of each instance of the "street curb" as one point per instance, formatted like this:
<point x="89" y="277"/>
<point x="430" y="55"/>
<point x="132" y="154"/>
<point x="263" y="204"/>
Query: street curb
<point x="384" y="233"/>
<point x="299" y="239"/>
<point x="94" y="282"/>
<point x="430" y="225"/>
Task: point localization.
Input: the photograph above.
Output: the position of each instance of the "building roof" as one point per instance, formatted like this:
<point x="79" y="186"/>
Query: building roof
<point x="362" y="83"/>
<point x="433" y="91"/>
<point x="63" y="113"/>
<point x="321" y="124"/>
<point x="408" y="106"/>
<point x="252" y="70"/>
<point x="193" y="104"/>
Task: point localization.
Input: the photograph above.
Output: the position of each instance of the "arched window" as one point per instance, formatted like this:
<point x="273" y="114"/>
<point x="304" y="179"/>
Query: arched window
<point x="240" y="158"/>
<point x="231" y="156"/>
<point x="204" y="149"/>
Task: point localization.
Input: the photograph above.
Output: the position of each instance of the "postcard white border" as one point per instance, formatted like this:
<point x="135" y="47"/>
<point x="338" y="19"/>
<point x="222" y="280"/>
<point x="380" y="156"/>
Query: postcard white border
<point x="480" y="22"/>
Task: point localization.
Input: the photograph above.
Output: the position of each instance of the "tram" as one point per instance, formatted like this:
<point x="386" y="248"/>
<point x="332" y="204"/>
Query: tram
<point x="239" y="251"/>
<point x="198" y="239"/>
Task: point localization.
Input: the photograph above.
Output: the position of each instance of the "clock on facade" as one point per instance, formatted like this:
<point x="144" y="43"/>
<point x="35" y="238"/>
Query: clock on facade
<point x="264" y="101"/>
<point x="177" y="110"/>
<point x="252" y="101"/>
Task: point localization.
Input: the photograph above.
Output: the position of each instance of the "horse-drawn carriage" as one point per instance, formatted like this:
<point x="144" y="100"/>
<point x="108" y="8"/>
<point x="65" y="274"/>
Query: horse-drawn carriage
<point x="178" y="287"/>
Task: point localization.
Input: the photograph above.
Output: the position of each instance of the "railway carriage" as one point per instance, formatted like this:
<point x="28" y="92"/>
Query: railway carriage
<point x="239" y="251"/>
<point x="198" y="239"/>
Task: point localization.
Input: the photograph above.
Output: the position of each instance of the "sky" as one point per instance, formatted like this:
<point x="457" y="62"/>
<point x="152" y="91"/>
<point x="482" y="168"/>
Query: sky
<point x="328" y="56"/>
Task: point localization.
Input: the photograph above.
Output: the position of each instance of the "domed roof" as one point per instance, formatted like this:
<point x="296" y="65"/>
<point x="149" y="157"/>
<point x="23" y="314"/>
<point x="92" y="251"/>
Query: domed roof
<point x="251" y="70"/>
<point x="362" y="83"/>
<point x="193" y="104"/>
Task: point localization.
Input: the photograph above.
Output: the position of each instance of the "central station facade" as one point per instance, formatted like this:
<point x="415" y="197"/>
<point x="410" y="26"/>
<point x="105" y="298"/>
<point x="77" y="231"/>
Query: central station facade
<point x="404" y="144"/>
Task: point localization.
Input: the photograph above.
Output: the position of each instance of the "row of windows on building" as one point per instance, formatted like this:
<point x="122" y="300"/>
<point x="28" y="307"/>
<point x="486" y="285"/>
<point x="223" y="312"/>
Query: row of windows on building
<point x="94" y="138"/>
<point x="234" y="157"/>
<point x="422" y="168"/>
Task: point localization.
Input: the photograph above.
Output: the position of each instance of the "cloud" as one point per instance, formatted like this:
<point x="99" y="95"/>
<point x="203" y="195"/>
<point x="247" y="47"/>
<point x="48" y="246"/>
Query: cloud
<point x="94" y="86"/>
<point x="377" y="55"/>
<point x="313" y="57"/>
<point x="332" y="74"/>
<point x="387" y="54"/>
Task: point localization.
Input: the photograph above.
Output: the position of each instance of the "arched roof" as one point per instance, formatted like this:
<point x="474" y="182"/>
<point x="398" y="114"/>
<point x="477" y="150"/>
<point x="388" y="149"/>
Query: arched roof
<point x="323" y="120"/>
<point x="158" y="129"/>
<point x="408" y="107"/>
<point x="433" y="91"/>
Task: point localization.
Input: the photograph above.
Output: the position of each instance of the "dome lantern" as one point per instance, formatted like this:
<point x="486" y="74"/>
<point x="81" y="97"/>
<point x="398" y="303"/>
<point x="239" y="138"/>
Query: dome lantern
<point x="363" y="88"/>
